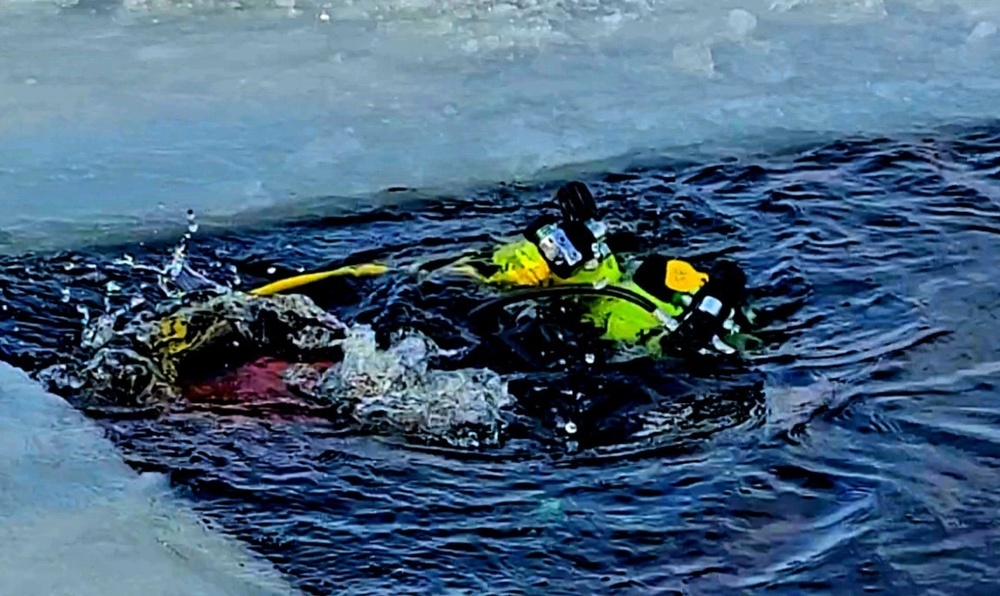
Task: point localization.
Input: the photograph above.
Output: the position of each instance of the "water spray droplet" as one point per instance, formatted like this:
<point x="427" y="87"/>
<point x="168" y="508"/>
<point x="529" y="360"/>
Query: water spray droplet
<point x="570" y="428"/>
<point x="192" y="224"/>
<point x="65" y="295"/>
<point x="271" y="270"/>
<point x="589" y="358"/>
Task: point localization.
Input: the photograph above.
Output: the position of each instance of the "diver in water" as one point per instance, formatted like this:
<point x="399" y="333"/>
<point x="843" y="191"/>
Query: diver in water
<point x="664" y="303"/>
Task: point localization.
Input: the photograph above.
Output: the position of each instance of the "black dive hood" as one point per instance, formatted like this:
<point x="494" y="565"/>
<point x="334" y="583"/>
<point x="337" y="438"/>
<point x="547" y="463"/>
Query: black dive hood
<point x="702" y="321"/>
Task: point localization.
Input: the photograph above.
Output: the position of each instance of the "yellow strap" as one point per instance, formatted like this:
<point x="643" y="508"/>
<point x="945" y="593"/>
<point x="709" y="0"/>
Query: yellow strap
<point x="308" y="278"/>
<point x="465" y="270"/>
<point x="682" y="277"/>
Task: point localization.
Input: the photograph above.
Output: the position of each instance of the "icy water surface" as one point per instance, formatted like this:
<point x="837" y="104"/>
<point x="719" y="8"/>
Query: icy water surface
<point x="856" y="451"/>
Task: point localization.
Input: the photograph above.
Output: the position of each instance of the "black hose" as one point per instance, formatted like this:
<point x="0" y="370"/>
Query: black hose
<point x="567" y="290"/>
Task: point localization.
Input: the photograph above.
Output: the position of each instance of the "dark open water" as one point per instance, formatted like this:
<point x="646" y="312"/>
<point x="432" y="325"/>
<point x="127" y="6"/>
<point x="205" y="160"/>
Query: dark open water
<point x="856" y="452"/>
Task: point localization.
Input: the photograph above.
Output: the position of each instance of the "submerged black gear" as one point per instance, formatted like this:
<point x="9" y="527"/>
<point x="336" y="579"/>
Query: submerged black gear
<point x="703" y="322"/>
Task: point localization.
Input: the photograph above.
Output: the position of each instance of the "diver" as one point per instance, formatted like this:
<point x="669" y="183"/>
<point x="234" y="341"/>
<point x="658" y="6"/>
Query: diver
<point x="664" y="303"/>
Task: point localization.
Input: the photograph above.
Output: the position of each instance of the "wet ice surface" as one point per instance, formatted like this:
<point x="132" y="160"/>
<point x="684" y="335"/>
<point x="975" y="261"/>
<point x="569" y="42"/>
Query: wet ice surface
<point x="117" y="117"/>
<point x="76" y="520"/>
<point x="866" y="461"/>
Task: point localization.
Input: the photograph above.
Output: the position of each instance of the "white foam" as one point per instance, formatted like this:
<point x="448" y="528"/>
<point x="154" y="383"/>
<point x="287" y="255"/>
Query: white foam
<point x="74" y="519"/>
<point x="124" y="115"/>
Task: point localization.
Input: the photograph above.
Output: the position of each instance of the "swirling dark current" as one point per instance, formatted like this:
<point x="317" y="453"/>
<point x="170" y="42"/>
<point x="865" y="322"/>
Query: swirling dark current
<point x="868" y="463"/>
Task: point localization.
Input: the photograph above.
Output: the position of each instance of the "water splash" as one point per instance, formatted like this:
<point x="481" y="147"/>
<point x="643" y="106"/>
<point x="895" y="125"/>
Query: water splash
<point x="396" y="390"/>
<point x="137" y="358"/>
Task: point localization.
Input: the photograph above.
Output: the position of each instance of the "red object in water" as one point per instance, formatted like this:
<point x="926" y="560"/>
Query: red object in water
<point x="254" y="389"/>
